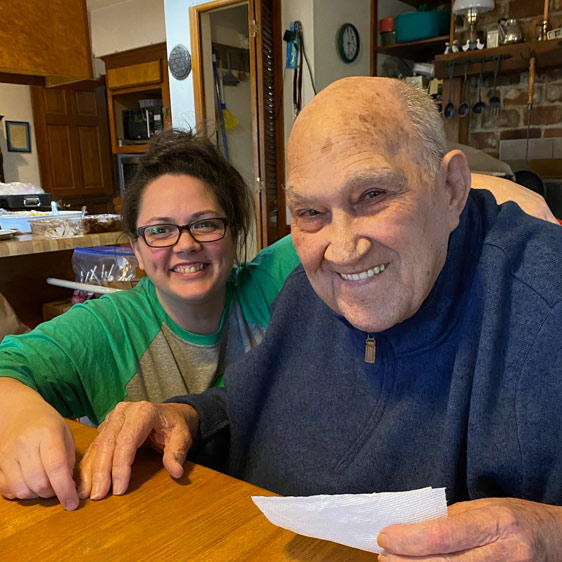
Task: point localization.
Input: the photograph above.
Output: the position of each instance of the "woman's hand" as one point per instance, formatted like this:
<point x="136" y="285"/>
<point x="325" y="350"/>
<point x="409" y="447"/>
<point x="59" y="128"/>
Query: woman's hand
<point x="36" y="447"/>
<point x="170" y="428"/>
<point x="482" y="530"/>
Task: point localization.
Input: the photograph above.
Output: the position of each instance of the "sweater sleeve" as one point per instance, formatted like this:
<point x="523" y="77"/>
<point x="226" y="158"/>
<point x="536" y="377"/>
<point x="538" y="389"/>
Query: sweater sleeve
<point x="212" y="409"/>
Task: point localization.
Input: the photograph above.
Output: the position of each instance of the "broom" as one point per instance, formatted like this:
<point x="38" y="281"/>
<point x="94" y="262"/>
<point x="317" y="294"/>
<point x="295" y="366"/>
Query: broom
<point x="230" y="122"/>
<point x="220" y="107"/>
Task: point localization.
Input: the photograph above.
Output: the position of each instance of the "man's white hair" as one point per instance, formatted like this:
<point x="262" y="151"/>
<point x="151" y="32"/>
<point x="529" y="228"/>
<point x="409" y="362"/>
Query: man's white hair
<point x="426" y="125"/>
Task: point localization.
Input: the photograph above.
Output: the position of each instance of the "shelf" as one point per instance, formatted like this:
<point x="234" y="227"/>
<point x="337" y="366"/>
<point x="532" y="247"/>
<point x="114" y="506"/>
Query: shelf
<point x="515" y="58"/>
<point x="423" y="50"/>
<point x="131" y="148"/>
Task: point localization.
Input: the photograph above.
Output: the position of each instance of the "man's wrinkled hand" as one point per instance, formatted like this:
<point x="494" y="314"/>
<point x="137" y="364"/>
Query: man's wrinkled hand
<point x="167" y="427"/>
<point x="490" y="529"/>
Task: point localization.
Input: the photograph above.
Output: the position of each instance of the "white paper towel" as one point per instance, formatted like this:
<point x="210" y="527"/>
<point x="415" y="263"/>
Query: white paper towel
<point x="353" y="519"/>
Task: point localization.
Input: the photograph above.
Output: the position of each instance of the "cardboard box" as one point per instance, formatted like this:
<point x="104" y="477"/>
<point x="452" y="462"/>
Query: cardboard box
<point x="55" y="308"/>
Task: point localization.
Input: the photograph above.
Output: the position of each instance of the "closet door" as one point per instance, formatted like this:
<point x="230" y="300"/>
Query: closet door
<point x="265" y="119"/>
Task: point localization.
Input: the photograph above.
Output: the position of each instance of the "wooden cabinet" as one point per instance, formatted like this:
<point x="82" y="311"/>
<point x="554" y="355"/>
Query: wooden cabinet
<point x="133" y="76"/>
<point x="44" y="42"/>
<point x="73" y="144"/>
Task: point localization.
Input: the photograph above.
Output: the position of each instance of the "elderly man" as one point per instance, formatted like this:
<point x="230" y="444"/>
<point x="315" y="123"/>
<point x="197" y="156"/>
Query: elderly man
<point x="417" y="345"/>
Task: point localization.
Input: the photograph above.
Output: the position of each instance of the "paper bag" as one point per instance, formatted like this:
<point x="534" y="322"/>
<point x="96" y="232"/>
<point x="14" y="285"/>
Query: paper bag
<point x="9" y="322"/>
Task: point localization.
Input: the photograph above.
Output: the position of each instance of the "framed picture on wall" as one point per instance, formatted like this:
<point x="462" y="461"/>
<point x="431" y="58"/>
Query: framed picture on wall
<point x="17" y="136"/>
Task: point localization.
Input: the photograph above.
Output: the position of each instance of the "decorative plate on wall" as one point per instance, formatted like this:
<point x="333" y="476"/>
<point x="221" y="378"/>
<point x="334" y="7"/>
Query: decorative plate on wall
<point x="179" y="62"/>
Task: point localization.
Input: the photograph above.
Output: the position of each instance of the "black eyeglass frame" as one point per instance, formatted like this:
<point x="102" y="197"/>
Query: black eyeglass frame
<point x="181" y="228"/>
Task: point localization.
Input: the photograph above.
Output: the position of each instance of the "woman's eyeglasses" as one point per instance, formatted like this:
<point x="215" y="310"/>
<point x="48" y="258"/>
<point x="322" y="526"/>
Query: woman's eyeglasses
<point x="163" y="235"/>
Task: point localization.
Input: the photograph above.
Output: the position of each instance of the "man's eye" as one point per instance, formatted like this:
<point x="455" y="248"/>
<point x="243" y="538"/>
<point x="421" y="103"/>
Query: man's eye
<point x="309" y="213"/>
<point x="371" y="194"/>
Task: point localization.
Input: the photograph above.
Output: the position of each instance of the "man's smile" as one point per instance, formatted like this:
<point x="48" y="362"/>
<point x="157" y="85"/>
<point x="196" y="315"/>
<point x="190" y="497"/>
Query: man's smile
<point x="365" y="274"/>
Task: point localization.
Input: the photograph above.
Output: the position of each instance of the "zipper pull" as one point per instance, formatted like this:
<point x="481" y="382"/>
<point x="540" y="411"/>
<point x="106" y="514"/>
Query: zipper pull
<point x="370" y="349"/>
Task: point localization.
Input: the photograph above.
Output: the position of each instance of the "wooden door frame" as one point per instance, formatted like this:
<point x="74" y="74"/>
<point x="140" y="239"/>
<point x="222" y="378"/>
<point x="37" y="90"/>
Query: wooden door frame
<point x="257" y="107"/>
<point x="196" y="53"/>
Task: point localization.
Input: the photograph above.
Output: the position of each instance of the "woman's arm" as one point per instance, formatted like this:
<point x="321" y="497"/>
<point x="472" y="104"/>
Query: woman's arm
<point x="505" y="190"/>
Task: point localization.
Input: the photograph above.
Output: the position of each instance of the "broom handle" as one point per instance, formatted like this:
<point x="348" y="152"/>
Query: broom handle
<point x="219" y="103"/>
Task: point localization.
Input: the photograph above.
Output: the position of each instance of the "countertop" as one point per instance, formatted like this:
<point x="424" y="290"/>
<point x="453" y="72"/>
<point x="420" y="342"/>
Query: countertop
<point x="23" y="244"/>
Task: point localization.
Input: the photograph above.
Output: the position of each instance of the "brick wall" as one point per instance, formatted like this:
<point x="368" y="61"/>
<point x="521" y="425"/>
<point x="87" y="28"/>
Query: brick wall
<point x="546" y="118"/>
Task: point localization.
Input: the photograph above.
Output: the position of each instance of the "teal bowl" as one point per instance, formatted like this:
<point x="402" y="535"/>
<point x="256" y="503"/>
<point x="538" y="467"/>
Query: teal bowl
<point x="414" y="26"/>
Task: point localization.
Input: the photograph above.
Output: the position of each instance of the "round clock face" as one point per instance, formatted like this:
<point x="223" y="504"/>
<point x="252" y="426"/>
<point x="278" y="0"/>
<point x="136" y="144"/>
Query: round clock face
<point x="348" y="42"/>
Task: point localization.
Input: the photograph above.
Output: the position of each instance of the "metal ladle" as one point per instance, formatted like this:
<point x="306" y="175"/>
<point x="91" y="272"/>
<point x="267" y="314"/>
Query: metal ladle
<point x="449" y="110"/>
<point x="464" y="107"/>
<point x="479" y="107"/>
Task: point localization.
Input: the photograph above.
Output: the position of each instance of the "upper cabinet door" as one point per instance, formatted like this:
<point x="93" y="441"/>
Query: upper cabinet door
<point x="73" y="139"/>
<point x="45" y="39"/>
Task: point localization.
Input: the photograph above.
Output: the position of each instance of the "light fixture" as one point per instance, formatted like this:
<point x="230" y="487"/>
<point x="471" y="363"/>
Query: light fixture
<point x="471" y="9"/>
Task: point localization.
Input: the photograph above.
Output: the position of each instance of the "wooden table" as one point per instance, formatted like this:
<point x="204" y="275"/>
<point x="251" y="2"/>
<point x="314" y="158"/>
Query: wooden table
<point x="204" y="516"/>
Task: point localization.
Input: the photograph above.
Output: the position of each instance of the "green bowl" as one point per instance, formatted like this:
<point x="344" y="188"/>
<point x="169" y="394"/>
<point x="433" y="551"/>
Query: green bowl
<point x="413" y="26"/>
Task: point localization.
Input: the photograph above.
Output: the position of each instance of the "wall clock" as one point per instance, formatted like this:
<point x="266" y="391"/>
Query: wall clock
<point x="348" y="42"/>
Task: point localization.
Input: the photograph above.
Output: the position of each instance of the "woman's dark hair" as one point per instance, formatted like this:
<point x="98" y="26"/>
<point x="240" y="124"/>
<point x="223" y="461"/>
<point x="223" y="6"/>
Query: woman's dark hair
<point x="178" y="152"/>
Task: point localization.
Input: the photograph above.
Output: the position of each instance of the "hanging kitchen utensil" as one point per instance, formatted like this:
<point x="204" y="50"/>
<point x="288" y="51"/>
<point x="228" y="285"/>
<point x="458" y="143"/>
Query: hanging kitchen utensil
<point x="220" y="107"/>
<point x="479" y="107"/>
<point x="449" y="110"/>
<point x="494" y="102"/>
<point x="464" y="107"/>
<point x="530" y="94"/>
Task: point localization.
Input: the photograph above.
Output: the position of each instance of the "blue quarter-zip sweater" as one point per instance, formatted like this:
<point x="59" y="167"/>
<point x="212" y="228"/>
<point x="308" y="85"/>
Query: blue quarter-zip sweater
<point x="466" y="394"/>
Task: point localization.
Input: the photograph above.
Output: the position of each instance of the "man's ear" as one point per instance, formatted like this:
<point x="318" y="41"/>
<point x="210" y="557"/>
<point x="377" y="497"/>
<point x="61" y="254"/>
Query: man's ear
<point x="134" y="242"/>
<point x="456" y="174"/>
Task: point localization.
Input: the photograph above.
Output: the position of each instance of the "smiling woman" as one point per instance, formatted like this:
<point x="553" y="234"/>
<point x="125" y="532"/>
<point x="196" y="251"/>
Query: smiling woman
<point x="186" y="212"/>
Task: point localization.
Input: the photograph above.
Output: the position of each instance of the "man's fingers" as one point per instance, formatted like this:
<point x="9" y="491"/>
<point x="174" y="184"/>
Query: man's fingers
<point x="135" y="430"/>
<point x="439" y="536"/>
<point x="176" y="447"/>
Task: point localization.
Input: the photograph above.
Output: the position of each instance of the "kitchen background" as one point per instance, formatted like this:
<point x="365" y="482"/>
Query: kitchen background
<point x="121" y="26"/>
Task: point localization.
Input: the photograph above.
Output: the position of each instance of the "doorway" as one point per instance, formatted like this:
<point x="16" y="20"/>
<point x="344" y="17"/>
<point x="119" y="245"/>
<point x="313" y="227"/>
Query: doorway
<point x="237" y="78"/>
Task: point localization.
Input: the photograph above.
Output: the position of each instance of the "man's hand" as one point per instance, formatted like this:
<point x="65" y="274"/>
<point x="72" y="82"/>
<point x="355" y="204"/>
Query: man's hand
<point x="482" y="530"/>
<point x="36" y="447"/>
<point x="170" y="428"/>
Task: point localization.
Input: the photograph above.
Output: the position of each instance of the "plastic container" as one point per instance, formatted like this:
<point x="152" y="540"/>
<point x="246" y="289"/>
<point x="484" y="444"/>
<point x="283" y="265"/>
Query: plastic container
<point x="414" y="26"/>
<point x="94" y="224"/>
<point x="386" y="24"/>
<point x="22" y="219"/>
<point x="57" y="227"/>
<point x="388" y="37"/>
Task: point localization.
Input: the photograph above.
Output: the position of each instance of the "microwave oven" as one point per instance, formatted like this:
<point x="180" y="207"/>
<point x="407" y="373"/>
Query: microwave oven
<point x="140" y="124"/>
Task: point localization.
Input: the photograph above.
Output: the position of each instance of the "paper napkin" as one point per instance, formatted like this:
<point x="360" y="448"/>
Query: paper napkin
<point x="353" y="519"/>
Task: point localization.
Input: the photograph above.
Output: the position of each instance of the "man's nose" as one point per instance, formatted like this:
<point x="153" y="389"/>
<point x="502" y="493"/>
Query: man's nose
<point x="347" y="243"/>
